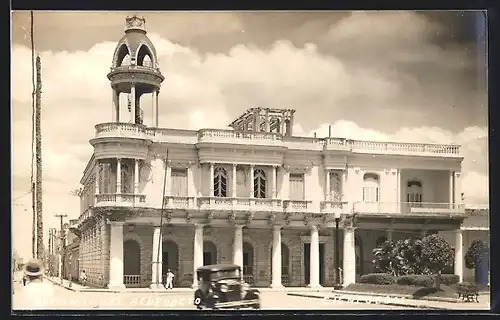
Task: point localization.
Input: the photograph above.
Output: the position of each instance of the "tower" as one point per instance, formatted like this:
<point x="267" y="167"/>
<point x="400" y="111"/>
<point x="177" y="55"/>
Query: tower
<point x="135" y="72"/>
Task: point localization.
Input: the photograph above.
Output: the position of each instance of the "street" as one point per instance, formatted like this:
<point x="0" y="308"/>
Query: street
<point x="66" y="299"/>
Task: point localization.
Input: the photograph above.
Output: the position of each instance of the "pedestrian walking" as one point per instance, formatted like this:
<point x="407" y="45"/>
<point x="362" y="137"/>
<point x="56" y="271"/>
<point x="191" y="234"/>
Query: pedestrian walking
<point x="36" y="293"/>
<point x="170" y="280"/>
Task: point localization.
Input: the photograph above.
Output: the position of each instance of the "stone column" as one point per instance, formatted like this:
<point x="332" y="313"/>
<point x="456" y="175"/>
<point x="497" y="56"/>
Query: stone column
<point x="238" y="245"/>
<point x="276" y="258"/>
<point x="285" y="185"/>
<point x="344" y="183"/>
<point x="273" y="183"/>
<point x="452" y="189"/>
<point x="459" y="258"/>
<point x="327" y="185"/>
<point x="197" y="252"/>
<point x="119" y="176"/>
<point x="97" y="177"/>
<point x="290" y="129"/>
<point x="168" y="187"/>
<point x="252" y="167"/>
<point x="211" y="179"/>
<point x="154" y="119"/>
<point x="314" y="259"/>
<point x="398" y="196"/>
<point x="389" y="234"/>
<point x="136" y="176"/>
<point x="116" y="257"/>
<point x="233" y="182"/>
<point x="156" y="283"/>
<point x="157" y="108"/>
<point x="349" y="268"/>
<point x="133" y="102"/>
<point x="115" y="108"/>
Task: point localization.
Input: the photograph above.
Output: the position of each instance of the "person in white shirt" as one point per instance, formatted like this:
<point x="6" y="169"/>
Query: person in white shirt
<point x="170" y="280"/>
<point x="36" y="293"/>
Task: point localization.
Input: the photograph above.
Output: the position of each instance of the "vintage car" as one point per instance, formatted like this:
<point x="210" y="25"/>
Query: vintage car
<point x="221" y="286"/>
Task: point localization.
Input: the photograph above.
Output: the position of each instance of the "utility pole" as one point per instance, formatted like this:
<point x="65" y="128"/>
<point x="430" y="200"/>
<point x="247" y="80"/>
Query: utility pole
<point x="61" y="244"/>
<point x="38" y="135"/>
<point x="33" y="185"/>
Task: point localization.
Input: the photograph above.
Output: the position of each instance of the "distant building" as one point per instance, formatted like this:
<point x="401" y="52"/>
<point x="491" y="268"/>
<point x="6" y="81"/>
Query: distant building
<point x="255" y="194"/>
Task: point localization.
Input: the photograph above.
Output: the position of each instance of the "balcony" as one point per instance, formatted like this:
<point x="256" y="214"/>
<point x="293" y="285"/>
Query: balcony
<point x="163" y="135"/>
<point x="120" y="200"/>
<point x="297" y="205"/>
<point x="239" y="204"/>
<point x="179" y="202"/>
<point x="408" y="208"/>
<point x="334" y="207"/>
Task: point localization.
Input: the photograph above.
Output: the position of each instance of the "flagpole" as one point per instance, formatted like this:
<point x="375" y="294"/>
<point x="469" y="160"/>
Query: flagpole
<point x="159" y="274"/>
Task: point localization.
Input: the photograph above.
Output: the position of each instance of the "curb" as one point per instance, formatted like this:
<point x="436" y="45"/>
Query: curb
<point x="61" y="285"/>
<point x="437" y="299"/>
<point x="394" y="304"/>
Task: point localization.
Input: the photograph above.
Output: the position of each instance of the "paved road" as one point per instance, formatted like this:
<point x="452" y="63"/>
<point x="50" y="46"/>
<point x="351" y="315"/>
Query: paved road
<point x="65" y="299"/>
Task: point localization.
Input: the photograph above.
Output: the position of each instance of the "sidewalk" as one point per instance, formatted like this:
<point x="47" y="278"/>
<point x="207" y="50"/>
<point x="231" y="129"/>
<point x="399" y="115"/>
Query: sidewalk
<point x="79" y="288"/>
<point x="399" y="300"/>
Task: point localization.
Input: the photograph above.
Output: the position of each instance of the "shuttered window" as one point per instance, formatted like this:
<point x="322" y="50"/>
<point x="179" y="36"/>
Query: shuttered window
<point x="296" y="186"/>
<point x="179" y="182"/>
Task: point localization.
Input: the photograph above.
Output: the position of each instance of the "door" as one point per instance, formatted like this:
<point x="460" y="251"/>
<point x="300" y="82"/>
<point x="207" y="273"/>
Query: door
<point x="207" y="258"/>
<point x="307" y="263"/>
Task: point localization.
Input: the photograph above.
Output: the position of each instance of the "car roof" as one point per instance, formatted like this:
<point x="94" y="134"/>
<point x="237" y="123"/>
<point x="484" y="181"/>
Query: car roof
<point x="218" y="267"/>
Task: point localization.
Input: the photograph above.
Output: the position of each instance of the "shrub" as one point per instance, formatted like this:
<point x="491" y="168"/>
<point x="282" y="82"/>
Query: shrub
<point x="416" y="280"/>
<point x="436" y="255"/>
<point x="477" y="252"/>
<point x="449" y="279"/>
<point x="378" y="278"/>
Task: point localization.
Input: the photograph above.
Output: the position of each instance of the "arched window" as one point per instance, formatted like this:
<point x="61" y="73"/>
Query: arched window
<point x="335" y="192"/>
<point x="371" y="188"/>
<point x="220" y="182"/>
<point x="259" y="183"/>
<point x="144" y="57"/>
<point x="414" y="193"/>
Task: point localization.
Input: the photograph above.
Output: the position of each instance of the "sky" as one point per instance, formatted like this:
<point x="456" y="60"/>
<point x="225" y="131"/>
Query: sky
<point x="400" y="76"/>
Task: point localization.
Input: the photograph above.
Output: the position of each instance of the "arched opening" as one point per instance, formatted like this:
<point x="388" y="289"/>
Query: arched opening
<point x="380" y="240"/>
<point x="220" y="182"/>
<point x="287" y="127"/>
<point x="359" y="257"/>
<point x="248" y="257"/>
<point x="145" y="57"/>
<point x="131" y="263"/>
<point x="170" y="259"/>
<point x="371" y="188"/>
<point x="335" y="191"/>
<point x="209" y="253"/>
<point x="259" y="183"/>
<point x="285" y="265"/>
<point x="123" y="56"/>
<point x="414" y="193"/>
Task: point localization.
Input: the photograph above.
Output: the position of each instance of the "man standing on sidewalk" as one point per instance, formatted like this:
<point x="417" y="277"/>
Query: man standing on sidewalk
<point x="170" y="280"/>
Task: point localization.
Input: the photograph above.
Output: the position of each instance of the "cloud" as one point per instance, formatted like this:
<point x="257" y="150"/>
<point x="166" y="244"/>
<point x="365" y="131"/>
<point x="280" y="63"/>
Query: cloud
<point x="355" y="88"/>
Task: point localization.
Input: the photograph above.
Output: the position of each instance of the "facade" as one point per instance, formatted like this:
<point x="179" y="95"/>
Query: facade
<point x="254" y="194"/>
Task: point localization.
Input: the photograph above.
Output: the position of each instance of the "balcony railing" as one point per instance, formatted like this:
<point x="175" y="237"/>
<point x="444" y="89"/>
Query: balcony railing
<point x="121" y="199"/>
<point x="407" y="208"/>
<point x="296" y="205"/>
<point x="247" y="204"/>
<point x="129" y="130"/>
<point x="248" y="275"/>
<point x="132" y="281"/>
<point x="180" y="202"/>
<point x="331" y="206"/>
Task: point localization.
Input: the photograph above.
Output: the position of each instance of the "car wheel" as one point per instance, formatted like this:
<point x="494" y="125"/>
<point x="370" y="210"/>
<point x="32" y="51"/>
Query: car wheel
<point x="197" y="301"/>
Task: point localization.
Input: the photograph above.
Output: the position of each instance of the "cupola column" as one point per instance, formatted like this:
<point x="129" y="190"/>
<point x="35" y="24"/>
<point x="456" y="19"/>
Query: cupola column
<point x="116" y="105"/>
<point x="133" y="103"/>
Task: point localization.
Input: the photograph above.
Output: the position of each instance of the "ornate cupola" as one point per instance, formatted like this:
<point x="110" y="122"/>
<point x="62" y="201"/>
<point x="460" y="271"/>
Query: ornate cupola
<point x="135" y="72"/>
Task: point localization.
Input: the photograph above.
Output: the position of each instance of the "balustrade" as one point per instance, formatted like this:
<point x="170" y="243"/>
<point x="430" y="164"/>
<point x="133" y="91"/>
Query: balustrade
<point x="407" y="208"/>
<point x="270" y="138"/>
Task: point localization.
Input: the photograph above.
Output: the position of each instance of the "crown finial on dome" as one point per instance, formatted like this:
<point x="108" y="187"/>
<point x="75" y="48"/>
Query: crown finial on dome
<point x="135" y="23"/>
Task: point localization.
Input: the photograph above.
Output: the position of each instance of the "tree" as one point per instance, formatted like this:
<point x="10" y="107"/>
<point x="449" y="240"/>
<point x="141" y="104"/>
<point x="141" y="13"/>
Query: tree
<point x="478" y="251"/>
<point x="437" y="254"/>
<point x="402" y="257"/>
